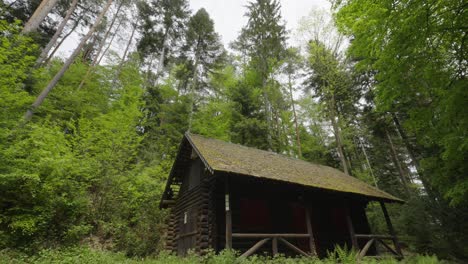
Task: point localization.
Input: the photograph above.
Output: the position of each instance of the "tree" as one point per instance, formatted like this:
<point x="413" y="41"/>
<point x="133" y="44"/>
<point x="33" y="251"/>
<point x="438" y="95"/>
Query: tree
<point x="163" y="24"/>
<point x="45" y="51"/>
<point x="264" y="39"/>
<point x="41" y="12"/>
<point x="66" y="65"/>
<point x="203" y="52"/>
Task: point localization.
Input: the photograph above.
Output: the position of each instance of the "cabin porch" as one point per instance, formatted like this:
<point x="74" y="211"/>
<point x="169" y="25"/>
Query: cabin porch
<point x="267" y="217"/>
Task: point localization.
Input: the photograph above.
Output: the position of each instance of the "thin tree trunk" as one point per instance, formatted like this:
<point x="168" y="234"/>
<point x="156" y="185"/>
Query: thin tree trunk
<point x="101" y="45"/>
<point x="368" y="162"/>
<point x="125" y="52"/>
<point x="337" y="133"/>
<point x="193" y="86"/>
<point x="298" y="137"/>
<point x="38" y="16"/>
<point x="110" y="43"/>
<point x="163" y="54"/>
<point x="62" y="40"/>
<point x="59" y="31"/>
<point x="29" y="113"/>
<point x="396" y="161"/>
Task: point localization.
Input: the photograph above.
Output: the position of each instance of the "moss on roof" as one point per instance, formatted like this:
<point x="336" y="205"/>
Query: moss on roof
<point x="227" y="157"/>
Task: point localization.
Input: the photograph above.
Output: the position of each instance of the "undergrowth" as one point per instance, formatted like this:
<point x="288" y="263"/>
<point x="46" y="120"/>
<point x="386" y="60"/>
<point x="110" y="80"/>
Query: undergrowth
<point x="86" y="255"/>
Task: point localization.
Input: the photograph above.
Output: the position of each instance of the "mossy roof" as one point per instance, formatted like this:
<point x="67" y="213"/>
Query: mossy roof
<point x="233" y="158"/>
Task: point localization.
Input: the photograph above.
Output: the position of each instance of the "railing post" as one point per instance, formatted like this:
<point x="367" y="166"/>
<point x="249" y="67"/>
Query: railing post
<point x="312" y="248"/>
<point x="390" y="229"/>
<point x="352" y="234"/>
<point x="228" y="214"/>
<point x="274" y="244"/>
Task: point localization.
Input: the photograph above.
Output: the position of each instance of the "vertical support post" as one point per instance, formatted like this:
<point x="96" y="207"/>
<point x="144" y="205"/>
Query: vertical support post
<point x="390" y="229"/>
<point x="274" y="244"/>
<point x="228" y="214"/>
<point x="312" y="248"/>
<point x="352" y="234"/>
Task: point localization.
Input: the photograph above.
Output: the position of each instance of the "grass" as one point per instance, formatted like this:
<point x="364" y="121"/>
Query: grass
<point x="85" y="255"/>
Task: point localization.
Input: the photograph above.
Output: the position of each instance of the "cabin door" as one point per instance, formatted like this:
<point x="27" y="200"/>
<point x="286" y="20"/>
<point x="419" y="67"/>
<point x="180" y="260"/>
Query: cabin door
<point x="188" y="230"/>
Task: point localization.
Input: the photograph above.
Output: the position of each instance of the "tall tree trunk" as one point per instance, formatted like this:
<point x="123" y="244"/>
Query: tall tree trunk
<point x="162" y="56"/>
<point x="298" y="137"/>
<point x="193" y="86"/>
<point x="57" y="33"/>
<point x="29" y="113"/>
<point x="368" y="162"/>
<point x="129" y="43"/>
<point x="396" y="161"/>
<point x="337" y="133"/>
<point x="101" y="45"/>
<point x="38" y="16"/>
<point x="101" y="56"/>
<point x="62" y="40"/>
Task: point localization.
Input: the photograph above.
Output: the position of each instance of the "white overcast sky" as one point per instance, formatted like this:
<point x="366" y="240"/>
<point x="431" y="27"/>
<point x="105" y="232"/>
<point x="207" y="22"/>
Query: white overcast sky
<point x="228" y="16"/>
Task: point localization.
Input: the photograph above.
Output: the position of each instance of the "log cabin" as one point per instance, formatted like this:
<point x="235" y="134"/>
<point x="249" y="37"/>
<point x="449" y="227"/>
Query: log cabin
<point x="227" y="196"/>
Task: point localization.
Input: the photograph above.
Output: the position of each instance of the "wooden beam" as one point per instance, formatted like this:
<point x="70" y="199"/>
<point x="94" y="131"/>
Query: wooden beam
<point x="228" y="214"/>
<point x="293" y="247"/>
<point x="312" y="248"/>
<point x="388" y="247"/>
<point x="255" y="247"/>
<point x="261" y="235"/>
<point x="373" y="236"/>
<point x="390" y="229"/>
<point x="352" y="234"/>
<point x="274" y="246"/>
<point x="363" y="252"/>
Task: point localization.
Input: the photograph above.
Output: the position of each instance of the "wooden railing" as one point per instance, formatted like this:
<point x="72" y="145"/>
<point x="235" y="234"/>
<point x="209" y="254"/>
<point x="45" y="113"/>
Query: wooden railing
<point x="275" y="238"/>
<point x="378" y="239"/>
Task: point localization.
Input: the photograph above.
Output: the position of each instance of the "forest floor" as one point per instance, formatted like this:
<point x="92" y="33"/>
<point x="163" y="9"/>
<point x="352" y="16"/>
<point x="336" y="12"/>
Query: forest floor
<point x="86" y="255"/>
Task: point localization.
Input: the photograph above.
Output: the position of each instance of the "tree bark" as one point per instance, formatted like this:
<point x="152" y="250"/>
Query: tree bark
<point x="58" y="32"/>
<point x="38" y="16"/>
<point x="29" y="113"/>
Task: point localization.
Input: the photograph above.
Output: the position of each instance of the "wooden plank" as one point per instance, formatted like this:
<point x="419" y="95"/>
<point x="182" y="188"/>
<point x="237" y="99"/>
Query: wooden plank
<point x="228" y="214"/>
<point x="352" y="234"/>
<point x="312" y="248"/>
<point x="255" y="247"/>
<point x="262" y="235"/>
<point x="363" y="252"/>
<point x="390" y="229"/>
<point x="298" y="250"/>
<point x="275" y="246"/>
<point x="373" y="236"/>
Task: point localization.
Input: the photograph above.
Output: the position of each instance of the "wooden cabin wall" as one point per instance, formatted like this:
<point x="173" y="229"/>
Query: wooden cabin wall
<point x="191" y="220"/>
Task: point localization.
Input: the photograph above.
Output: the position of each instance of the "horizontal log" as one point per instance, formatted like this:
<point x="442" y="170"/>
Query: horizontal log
<point x="373" y="236"/>
<point x="167" y="202"/>
<point x="187" y="234"/>
<point x="262" y="235"/>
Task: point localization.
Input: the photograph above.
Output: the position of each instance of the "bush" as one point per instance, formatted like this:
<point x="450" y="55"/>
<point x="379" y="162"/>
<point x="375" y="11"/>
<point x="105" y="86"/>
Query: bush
<point x="87" y="255"/>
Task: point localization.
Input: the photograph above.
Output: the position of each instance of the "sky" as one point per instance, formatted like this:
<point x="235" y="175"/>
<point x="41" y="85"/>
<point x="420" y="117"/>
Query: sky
<point x="228" y="17"/>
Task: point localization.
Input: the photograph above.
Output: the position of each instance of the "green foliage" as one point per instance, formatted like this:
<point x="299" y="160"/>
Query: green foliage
<point x="86" y="255"/>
